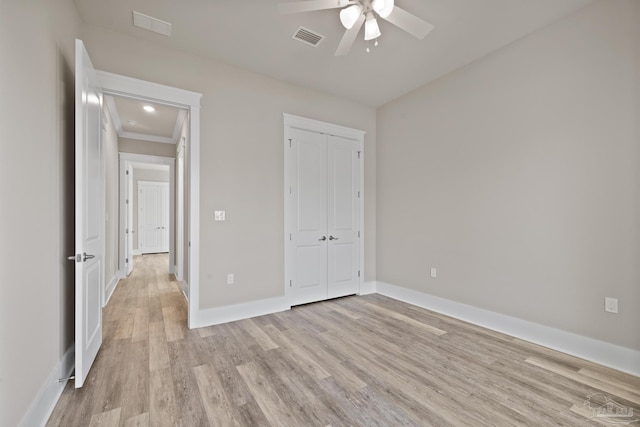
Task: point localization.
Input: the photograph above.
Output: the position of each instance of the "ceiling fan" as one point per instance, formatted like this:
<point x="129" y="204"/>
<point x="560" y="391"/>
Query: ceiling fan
<point x="355" y="13"/>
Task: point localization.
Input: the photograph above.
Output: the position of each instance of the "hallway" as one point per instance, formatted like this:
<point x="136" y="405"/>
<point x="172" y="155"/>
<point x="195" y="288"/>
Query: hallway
<point x="143" y="324"/>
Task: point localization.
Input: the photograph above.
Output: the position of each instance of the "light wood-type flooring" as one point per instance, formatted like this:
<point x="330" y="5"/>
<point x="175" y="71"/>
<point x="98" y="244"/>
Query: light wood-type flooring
<point x="355" y="361"/>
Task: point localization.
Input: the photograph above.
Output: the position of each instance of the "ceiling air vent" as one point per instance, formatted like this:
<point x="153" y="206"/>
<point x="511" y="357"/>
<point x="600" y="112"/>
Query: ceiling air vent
<point x="307" y="36"/>
<point x="152" y="24"/>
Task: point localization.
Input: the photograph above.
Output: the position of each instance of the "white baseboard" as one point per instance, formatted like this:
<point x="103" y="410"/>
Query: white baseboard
<point x="42" y="406"/>
<point x="368" y="288"/>
<point x="185" y="290"/>
<point x="231" y="313"/>
<point x="111" y="286"/>
<point x="604" y="353"/>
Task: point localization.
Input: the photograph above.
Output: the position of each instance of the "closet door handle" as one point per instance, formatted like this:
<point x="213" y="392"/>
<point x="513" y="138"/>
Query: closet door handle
<point x="322" y="239"/>
<point x="333" y="238"/>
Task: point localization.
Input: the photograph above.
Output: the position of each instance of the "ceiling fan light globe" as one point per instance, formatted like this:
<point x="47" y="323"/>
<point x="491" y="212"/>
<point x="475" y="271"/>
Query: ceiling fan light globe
<point x="371" y="28"/>
<point x="383" y="7"/>
<point x="349" y="15"/>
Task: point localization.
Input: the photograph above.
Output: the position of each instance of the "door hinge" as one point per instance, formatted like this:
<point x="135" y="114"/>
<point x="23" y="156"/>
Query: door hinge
<point x="290" y="190"/>
<point x="358" y="273"/>
<point x="358" y="234"/>
<point x="290" y="283"/>
<point x="126" y="231"/>
<point x="126" y="202"/>
<point x="358" y="194"/>
<point x="126" y="172"/>
<point x="290" y="236"/>
<point x="126" y="260"/>
<point x="289" y="142"/>
<point x="358" y="154"/>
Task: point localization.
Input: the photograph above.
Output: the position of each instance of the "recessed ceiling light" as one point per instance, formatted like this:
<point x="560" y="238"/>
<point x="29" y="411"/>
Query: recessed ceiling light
<point x="149" y="109"/>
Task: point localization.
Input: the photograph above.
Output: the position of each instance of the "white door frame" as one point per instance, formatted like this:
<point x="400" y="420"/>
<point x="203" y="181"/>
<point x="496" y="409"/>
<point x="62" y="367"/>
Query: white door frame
<point x="180" y="211"/>
<point x="128" y="214"/>
<point x="126" y="160"/>
<point x="116" y="84"/>
<point x="297" y="122"/>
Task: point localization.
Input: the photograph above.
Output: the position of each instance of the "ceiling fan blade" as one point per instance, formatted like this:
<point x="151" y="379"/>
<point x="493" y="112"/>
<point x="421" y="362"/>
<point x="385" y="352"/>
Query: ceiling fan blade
<point x="308" y="6"/>
<point x="409" y="23"/>
<point x="349" y="37"/>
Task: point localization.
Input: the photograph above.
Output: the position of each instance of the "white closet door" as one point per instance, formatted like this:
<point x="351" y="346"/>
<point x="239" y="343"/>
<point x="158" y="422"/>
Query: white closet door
<point x="153" y="207"/>
<point x="343" y="217"/>
<point x="309" y="203"/>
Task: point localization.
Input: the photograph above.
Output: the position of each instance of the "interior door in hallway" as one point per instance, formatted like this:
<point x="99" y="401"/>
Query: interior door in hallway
<point x="323" y="251"/>
<point x="89" y="212"/>
<point x="153" y="217"/>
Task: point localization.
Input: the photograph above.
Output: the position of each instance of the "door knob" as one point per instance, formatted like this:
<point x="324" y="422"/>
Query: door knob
<point x="323" y="238"/>
<point x="86" y="257"/>
<point x="333" y="238"/>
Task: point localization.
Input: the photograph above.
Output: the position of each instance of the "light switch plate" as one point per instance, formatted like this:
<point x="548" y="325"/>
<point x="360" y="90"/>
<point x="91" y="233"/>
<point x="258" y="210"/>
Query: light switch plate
<point x="611" y="305"/>
<point x="434" y="272"/>
<point x="219" y="215"/>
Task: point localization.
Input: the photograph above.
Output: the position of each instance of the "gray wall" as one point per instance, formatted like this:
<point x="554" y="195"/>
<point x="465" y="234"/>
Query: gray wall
<point x="241" y="161"/>
<point x="517" y="177"/>
<point x="138" y="146"/>
<point x="37" y="193"/>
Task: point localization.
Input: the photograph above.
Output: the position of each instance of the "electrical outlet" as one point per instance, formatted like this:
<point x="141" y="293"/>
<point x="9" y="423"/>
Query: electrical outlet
<point x="434" y="272"/>
<point x="611" y="305"/>
<point x="219" y="215"/>
<point x="229" y="279"/>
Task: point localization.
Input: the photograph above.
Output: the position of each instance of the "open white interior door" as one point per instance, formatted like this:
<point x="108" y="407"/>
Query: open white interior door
<point x="89" y="215"/>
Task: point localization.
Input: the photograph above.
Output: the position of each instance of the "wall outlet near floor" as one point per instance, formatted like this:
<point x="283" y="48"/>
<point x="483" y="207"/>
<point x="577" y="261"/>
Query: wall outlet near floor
<point x="229" y="279"/>
<point x="434" y="272"/>
<point x="611" y="305"/>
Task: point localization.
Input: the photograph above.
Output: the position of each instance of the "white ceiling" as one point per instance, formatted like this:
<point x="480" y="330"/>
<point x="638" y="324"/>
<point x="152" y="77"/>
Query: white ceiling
<point x="132" y="121"/>
<point x="251" y="34"/>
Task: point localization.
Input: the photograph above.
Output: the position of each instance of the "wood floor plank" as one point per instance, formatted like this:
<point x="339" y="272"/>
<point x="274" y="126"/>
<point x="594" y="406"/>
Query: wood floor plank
<point x="174" y="330"/>
<point x="106" y="419"/>
<point x="355" y="361"/>
<point x="158" y="351"/>
<point x="162" y="404"/>
<point x="214" y="399"/>
<point x="141" y="420"/>
<point x="140" y="324"/>
<point x="258" y="335"/>
<point x="298" y="354"/>
<point x="276" y="411"/>
<point x="608" y="387"/>
<point x="398" y="316"/>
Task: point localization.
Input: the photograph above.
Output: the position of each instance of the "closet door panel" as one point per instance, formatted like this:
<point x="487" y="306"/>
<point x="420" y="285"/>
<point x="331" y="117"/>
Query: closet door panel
<point x="343" y="216"/>
<point x="309" y="198"/>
